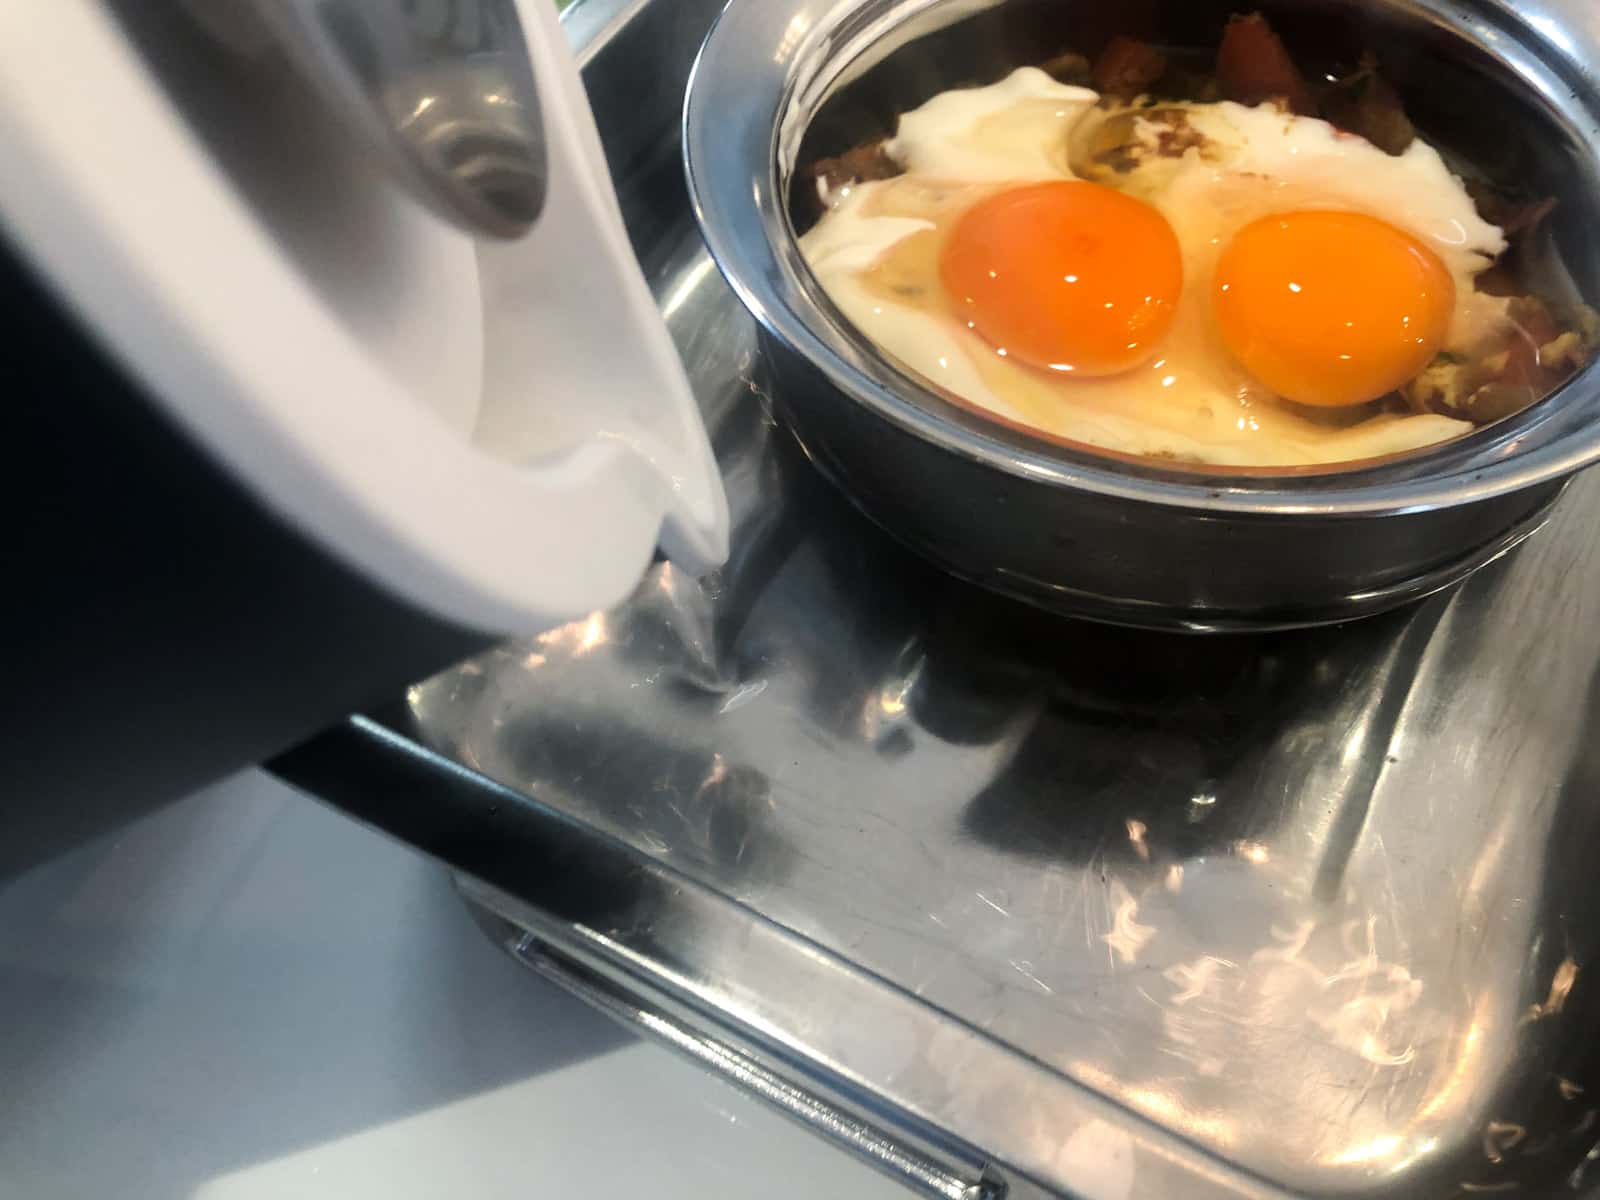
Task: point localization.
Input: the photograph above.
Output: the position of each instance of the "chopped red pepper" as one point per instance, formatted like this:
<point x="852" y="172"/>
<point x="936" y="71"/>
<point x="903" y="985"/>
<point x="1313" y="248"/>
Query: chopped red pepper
<point x="1253" y="66"/>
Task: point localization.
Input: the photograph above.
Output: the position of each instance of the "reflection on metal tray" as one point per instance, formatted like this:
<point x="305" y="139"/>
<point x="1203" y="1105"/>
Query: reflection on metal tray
<point x="1101" y="912"/>
<point x="1317" y="902"/>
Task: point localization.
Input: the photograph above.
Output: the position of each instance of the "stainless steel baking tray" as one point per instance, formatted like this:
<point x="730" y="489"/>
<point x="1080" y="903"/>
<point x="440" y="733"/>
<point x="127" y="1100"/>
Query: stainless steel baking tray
<point x="1009" y="903"/>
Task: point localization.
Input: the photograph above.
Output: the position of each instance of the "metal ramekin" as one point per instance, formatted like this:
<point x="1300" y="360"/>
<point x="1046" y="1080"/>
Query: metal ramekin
<point x="1133" y="543"/>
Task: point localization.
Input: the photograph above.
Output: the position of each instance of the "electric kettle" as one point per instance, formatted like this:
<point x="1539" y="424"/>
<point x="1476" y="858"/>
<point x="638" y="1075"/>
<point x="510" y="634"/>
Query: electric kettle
<point x="299" y="423"/>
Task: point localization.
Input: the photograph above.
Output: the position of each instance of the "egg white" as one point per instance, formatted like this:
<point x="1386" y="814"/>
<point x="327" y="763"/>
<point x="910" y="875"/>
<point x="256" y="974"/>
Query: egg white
<point x="1014" y="130"/>
<point x="1191" y="401"/>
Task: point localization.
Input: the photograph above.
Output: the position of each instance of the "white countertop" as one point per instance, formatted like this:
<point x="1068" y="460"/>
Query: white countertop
<point x="247" y="995"/>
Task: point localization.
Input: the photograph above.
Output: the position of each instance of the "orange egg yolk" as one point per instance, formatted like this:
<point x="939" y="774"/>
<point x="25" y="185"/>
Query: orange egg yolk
<point x="1069" y="276"/>
<point x="1331" y="308"/>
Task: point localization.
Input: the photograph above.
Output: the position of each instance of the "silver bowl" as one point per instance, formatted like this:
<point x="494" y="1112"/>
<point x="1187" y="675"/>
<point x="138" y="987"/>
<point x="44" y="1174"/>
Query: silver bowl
<point x="780" y="82"/>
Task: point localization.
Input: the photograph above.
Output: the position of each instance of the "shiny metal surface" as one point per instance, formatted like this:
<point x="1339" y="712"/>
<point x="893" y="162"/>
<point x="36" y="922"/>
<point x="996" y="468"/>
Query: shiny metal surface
<point x="923" y="1175"/>
<point x="1316" y="903"/>
<point x="440" y="92"/>
<point x="779" y="83"/>
<point x="1088" y="911"/>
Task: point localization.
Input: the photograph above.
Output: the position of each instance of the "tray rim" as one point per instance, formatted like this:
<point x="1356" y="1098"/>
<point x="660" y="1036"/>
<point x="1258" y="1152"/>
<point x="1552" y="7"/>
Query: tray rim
<point x="376" y="773"/>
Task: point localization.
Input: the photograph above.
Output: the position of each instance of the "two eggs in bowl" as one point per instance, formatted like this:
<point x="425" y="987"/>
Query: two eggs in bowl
<point x="1212" y="282"/>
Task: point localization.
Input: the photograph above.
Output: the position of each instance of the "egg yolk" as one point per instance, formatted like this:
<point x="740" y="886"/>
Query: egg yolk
<point x="1331" y="308"/>
<point x="1068" y="276"/>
